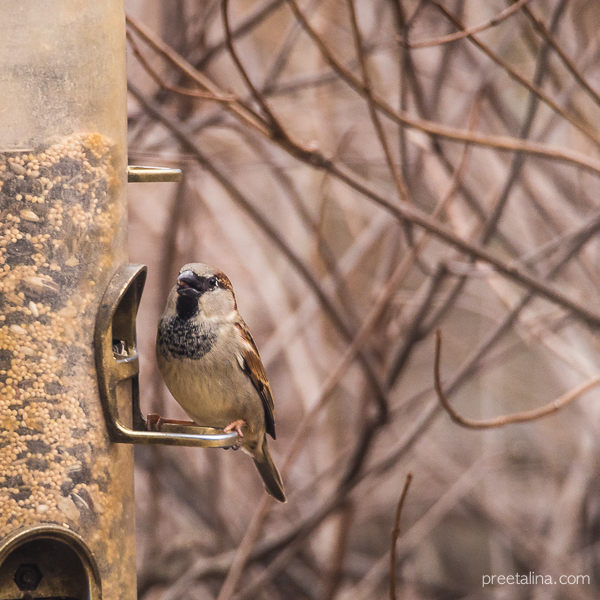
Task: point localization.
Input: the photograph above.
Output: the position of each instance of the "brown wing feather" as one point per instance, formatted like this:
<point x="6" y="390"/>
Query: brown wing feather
<point x="252" y="365"/>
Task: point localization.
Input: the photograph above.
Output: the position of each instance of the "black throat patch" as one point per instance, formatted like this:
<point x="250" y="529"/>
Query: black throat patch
<point x="187" y="307"/>
<point x="184" y="338"/>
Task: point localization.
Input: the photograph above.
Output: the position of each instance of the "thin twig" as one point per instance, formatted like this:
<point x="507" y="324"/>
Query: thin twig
<point x="569" y="64"/>
<point x="518" y="160"/>
<point x="244" y="549"/>
<point x="584" y="128"/>
<point x="176" y="89"/>
<point x="283" y="54"/>
<point x="274" y="123"/>
<point x="459" y="486"/>
<point x="335" y="569"/>
<point x="473" y="362"/>
<point x="459" y="35"/>
<point x="326" y="253"/>
<point x="246" y="114"/>
<point x="503" y="143"/>
<point x="358" y="43"/>
<point x="244" y="27"/>
<point x="508" y="419"/>
<point x="396" y="535"/>
<point x="415" y="331"/>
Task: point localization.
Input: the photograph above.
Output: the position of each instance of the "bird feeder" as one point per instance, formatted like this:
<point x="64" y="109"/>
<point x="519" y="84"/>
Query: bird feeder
<point x="69" y="393"/>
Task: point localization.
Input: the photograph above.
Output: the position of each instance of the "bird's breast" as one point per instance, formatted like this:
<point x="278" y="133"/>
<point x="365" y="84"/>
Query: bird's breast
<point x="202" y="373"/>
<point x="184" y="338"/>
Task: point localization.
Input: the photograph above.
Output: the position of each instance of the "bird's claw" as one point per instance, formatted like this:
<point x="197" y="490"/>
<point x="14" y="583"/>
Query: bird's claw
<point x="153" y="421"/>
<point x="235" y="426"/>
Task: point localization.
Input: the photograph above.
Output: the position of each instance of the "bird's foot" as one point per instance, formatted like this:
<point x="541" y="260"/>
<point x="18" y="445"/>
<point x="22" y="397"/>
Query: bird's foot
<point x="154" y="422"/>
<point x="235" y="426"/>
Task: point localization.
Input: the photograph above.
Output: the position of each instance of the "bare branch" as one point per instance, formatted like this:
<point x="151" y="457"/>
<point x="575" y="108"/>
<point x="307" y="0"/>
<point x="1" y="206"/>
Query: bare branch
<point x="258" y="97"/>
<point x="176" y="89"/>
<point x="503" y="420"/>
<point x="396" y="175"/>
<point x="437" y="129"/>
<point x="569" y="64"/>
<point x="396" y="535"/>
<point x="581" y="127"/>
<point x="502" y="143"/>
<point x="459" y="35"/>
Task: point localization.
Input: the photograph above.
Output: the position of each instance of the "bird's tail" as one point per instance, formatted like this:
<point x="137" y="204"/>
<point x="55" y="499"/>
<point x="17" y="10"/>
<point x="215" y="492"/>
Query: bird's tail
<point x="269" y="473"/>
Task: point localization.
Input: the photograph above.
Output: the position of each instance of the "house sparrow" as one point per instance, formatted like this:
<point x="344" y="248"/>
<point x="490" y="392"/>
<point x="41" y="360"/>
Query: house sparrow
<point x="211" y="365"/>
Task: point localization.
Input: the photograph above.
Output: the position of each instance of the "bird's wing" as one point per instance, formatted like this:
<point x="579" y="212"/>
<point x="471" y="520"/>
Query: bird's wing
<point x="250" y="362"/>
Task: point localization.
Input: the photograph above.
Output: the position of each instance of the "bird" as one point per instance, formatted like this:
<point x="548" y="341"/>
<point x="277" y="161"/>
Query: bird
<point x="211" y="365"/>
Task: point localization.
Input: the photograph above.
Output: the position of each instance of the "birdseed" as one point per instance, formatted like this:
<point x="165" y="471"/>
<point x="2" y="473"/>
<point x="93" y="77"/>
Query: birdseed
<point x="61" y="233"/>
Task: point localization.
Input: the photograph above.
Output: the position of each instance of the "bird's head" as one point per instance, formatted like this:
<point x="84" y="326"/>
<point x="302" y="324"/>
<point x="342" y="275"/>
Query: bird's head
<point x="202" y="289"/>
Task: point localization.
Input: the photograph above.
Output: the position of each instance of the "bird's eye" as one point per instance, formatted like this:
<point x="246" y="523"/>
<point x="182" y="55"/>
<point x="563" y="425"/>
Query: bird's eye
<point x="213" y="282"/>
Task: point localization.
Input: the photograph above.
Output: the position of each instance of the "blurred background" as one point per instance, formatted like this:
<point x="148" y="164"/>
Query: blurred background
<point x="367" y="172"/>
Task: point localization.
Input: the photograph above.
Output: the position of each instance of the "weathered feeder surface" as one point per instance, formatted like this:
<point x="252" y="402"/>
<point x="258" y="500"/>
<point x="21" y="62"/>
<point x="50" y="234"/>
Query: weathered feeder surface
<point x="63" y="234"/>
<point x="59" y="211"/>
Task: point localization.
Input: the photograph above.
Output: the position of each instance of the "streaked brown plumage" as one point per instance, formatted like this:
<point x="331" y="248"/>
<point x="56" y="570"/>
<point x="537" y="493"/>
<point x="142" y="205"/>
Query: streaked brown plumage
<point x="211" y="365"/>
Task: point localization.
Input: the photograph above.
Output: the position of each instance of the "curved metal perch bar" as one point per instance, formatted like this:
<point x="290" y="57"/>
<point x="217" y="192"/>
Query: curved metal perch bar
<point x="117" y="362"/>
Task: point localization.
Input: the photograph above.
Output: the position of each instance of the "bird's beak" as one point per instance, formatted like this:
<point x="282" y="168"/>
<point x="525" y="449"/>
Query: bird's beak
<point x="187" y="283"/>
